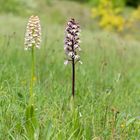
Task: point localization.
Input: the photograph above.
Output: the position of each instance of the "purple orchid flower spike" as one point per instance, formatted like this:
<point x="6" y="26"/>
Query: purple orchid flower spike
<point x="72" y="47"/>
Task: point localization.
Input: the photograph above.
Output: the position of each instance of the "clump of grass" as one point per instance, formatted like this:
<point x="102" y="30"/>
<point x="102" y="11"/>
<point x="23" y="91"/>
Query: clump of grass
<point x="72" y="47"/>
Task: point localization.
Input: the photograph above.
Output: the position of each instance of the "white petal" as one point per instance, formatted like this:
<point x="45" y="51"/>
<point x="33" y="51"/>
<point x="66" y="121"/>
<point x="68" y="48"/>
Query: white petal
<point x="80" y="62"/>
<point x="77" y="57"/>
<point x="79" y="49"/>
<point x="70" y="54"/>
<point x="66" y="62"/>
<point x="26" y="48"/>
<point x="37" y="46"/>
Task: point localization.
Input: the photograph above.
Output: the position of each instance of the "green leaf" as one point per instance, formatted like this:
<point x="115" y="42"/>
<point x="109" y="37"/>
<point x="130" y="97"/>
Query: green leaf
<point x="31" y="123"/>
<point x="130" y="121"/>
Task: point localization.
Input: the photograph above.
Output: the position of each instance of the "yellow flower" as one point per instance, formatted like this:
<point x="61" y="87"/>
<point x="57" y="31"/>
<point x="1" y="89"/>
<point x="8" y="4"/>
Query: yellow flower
<point x="122" y="125"/>
<point x="34" y="78"/>
<point x="136" y="14"/>
<point x="109" y="16"/>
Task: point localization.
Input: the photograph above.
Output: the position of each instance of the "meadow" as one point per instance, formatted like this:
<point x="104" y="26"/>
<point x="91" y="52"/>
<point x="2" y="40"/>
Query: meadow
<point x="107" y="97"/>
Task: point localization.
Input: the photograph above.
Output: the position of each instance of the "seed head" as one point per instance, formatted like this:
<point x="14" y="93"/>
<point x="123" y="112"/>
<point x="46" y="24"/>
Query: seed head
<point x="72" y="41"/>
<point x="33" y="33"/>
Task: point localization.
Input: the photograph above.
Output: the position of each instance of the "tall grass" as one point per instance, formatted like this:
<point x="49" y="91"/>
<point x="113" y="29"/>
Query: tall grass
<point x="107" y="89"/>
<point x="107" y="85"/>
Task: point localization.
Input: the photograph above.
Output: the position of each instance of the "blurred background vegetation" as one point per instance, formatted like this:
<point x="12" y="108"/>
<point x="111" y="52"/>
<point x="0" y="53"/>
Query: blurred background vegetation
<point x="120" y="16"/>
<point x="16" y="6"/>
<point x="134" y="3"/>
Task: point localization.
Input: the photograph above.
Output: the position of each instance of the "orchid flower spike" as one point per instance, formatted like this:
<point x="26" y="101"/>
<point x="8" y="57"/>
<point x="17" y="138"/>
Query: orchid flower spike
<point x="33" y="33"/>
<point x="72" y="42"/>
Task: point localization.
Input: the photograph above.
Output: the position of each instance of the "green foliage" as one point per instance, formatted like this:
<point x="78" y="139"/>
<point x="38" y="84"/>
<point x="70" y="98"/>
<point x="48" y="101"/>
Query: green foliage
<point x="119" y="3"/>
<point x="134" y="3"/>
<point x="107" y="91"/>
<point x="31" y="123"/>
<point x="82" y="0"/>
<point x="48" y="2"/>
<point x="115" y="2"/>
<point x="96" y="2"/>
<point x="111" y="17"/>
<point x="12" y="6"/>
<point x="106" y="104"/>
<point x="17" y="7"/>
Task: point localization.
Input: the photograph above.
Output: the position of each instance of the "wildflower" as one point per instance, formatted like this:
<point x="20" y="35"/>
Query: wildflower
<point x="122" y="125"/>
<point x="72" y="42"/>
<point x="32" y="41"/>
<point x="33" y="33"/>
<point x="72" y="47"/>
<point x="109" y="16"/>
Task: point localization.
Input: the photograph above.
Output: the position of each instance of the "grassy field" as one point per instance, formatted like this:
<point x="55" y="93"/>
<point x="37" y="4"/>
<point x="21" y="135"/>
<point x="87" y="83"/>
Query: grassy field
<point x="107" y="101"/>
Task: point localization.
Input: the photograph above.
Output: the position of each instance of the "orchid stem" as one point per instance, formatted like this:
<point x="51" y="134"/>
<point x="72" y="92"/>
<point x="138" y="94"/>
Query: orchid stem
<point x="73" y="72"/>
<point x="32" y="75"/>
<point x="73" y="78"/>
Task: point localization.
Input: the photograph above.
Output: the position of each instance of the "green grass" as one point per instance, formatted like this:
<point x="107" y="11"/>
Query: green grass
<point x="107" y="85"/>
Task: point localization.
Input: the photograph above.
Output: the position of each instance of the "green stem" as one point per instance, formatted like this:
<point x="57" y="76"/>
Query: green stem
<point x="73" y="77"/>
<point x="73" y="72"/>
<point x="32" y="75"/>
